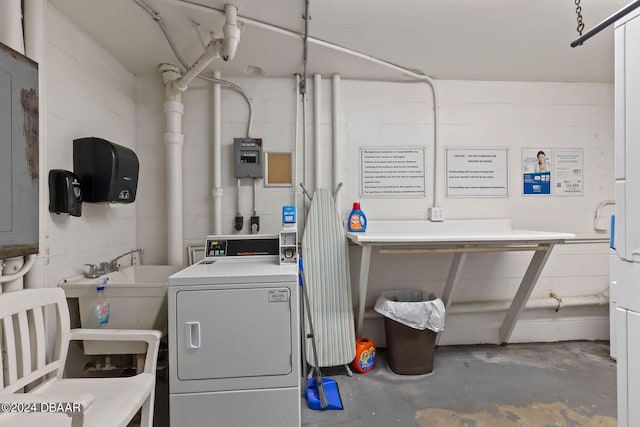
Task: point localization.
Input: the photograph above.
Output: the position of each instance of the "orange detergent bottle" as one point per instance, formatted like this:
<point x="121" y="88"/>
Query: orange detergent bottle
<point x="365" y="355"/>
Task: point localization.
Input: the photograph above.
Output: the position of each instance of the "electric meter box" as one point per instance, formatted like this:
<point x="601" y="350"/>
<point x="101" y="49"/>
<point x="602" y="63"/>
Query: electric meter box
<point x="248" y="158"/>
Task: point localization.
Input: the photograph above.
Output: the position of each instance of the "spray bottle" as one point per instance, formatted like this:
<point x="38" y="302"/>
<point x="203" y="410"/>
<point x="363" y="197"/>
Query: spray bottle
<point x="357" y="219"/>
<point x="102" y="307"/>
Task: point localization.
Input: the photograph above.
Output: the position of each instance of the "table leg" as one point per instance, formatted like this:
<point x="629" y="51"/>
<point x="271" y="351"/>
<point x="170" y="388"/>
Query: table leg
<point x="452" y="278"/>
<point x="362" y="285"/>
<point x="527" y="284"/>
<point x="452" y="281"/>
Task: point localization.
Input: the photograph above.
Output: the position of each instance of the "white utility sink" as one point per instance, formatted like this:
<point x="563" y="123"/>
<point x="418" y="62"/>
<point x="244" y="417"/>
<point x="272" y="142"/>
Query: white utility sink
<point x="137" y="297"/>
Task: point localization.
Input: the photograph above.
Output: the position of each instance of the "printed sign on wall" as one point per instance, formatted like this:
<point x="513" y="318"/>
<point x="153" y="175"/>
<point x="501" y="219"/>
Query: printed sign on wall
<point x="536" y="171"/>
<point x="568" y="168"/>
<point x="392" y="172"/>
<point x="477" y="172"/>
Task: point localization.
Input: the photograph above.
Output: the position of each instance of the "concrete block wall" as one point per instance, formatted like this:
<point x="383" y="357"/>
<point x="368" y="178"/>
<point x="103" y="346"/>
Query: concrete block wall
<point x="88" y="93"/>
<point x="513" y="115"/>
<point x="91" y="94"/>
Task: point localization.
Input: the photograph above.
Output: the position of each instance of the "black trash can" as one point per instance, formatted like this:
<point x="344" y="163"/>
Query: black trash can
<point x="411" y="350"/>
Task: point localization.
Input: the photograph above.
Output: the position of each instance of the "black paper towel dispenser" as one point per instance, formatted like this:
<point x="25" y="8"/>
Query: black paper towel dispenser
<point x="108" y="172"/>
<point x="65" y="194"/>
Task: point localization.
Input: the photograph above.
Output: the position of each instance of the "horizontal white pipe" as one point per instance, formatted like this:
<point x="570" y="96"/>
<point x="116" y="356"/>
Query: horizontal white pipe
<point x="317" y="125"/>
<point x="532" y="303"/>
<point x="28" y="263"/>
<point x="11" y="24"/>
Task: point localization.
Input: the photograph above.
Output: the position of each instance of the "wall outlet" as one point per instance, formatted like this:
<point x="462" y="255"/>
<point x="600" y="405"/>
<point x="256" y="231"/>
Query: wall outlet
<point x="436" y="214"/>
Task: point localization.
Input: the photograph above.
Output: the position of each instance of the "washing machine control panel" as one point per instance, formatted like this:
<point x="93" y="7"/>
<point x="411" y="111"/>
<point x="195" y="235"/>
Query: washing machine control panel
<point x="216" y="248"/>
<point x="236" y="246"/>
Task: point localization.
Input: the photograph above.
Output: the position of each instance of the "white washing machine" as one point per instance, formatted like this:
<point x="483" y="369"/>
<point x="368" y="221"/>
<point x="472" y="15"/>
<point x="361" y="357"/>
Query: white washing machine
<point x="234" y="341"/>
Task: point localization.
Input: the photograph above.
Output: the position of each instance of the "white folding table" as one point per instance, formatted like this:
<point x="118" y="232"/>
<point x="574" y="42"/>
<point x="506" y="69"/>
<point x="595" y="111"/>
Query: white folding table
<point x="458" y="237"/>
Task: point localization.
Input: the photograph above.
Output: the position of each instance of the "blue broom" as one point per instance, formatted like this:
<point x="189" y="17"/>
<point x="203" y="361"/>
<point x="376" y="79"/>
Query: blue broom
<point x="321" y="393"/>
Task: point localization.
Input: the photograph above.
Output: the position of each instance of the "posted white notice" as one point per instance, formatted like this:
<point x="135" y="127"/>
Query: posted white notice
<point x="568" y="170"/>
<point x="392" y="172"/>
<point x="477" y="172"/>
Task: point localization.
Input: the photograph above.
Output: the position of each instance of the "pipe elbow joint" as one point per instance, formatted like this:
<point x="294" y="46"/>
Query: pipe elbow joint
<point x="231" y="32"/>
<point x="231" y="41"/>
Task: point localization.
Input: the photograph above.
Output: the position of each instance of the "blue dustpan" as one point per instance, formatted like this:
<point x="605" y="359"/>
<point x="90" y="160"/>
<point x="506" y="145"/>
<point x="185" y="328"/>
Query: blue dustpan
<point x="331" y="392"/>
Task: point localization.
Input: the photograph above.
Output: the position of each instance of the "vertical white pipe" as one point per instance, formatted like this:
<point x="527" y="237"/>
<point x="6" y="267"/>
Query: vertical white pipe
<point x="335" y="131"/>
<point x="217" y="191"/>
<point x="34" y="30"/>
<point x="11" y="35"/>
<point x="174" y="140"/>
<point x="11" y="266"/>
<point x="11" y="24"/>
<point x="297" y="151"/>
<point x="317" y="124"/>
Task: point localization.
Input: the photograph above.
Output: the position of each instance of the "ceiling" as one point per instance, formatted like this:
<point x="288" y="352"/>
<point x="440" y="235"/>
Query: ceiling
<point x="513" y="40"/>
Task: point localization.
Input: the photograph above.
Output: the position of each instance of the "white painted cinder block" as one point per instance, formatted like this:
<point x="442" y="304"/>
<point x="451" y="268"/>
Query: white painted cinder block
<point x="513" y="115"/>
<point x="88" y="94"/>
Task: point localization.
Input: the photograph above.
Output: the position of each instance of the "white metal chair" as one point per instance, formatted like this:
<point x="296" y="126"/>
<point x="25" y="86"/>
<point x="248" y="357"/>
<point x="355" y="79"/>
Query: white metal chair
<point x="23" y="361"/>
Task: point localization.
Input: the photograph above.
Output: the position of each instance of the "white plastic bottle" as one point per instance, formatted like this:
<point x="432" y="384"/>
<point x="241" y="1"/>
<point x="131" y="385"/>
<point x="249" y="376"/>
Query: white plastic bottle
<point x="102" y="307"/>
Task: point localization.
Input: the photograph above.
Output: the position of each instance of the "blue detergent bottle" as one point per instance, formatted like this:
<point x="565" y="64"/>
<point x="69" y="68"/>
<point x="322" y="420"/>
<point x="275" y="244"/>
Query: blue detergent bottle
<point x="357" y="219"/>
<point x="103" y="308"/>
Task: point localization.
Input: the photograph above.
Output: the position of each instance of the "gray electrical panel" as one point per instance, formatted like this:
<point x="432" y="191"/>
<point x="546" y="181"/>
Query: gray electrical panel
<point x="248" y="158"/>
<point x="18" y="154"/>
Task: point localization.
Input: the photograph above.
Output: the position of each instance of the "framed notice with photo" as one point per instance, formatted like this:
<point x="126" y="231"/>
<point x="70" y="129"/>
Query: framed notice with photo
<point x="536" y="171"/>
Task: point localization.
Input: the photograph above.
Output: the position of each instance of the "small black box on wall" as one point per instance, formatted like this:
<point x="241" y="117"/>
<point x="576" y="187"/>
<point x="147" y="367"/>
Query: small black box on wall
<point x="65" y="194"/>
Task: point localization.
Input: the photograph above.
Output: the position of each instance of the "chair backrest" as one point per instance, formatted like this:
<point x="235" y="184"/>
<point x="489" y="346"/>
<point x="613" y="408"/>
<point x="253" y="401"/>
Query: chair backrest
<point x="23" y="359"/>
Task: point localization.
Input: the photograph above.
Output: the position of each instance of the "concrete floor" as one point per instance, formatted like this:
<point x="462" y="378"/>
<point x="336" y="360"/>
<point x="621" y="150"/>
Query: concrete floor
<point x="539" y="385"/>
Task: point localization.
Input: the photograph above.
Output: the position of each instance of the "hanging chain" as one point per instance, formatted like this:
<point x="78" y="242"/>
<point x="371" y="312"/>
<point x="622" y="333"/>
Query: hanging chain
<point x="579" y="13"/>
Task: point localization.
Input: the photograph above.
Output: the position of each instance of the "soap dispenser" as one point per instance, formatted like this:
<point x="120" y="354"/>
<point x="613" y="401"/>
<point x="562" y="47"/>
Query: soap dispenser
<point x="65" y="193"/>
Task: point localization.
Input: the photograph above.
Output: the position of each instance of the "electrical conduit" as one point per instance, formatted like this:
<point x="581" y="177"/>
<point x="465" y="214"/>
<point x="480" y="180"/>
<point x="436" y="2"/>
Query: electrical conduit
<point x="217" y="191"/>
<point x="297" y="166"/>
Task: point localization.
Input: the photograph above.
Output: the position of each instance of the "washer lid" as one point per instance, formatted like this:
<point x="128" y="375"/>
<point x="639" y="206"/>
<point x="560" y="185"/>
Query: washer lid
<point x="263" y="269"/>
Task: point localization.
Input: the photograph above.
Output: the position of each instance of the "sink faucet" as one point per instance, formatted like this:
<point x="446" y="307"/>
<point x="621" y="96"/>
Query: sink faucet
<point x="95" y="271"/>
<point x="113" y="264"/>
<point x="107" y="267"/>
